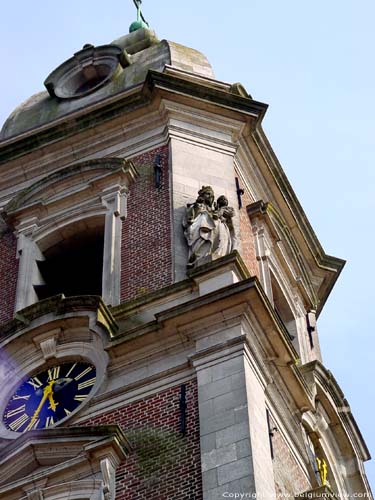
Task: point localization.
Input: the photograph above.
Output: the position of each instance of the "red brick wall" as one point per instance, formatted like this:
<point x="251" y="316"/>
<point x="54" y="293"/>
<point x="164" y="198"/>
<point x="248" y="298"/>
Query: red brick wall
<point x="165" y="465"/>
<point x="248" y="253"/>
<point x="289" y="477"/>
<point x="146" y="254"/>
<point x="8" y="273"/>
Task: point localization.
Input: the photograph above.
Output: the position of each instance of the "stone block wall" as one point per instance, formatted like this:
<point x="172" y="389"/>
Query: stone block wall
<point x="8" y="273"/>
<point x="164" y="465"/>
<point x="146" y="253"/>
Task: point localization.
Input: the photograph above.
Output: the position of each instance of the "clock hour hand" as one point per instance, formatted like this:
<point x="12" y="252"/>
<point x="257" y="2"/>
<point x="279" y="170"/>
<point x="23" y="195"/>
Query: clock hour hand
<point x="47" y="394"/>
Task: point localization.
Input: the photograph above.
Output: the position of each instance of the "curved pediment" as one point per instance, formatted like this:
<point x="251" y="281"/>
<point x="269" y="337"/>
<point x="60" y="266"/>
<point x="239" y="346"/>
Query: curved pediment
<point x="55" y="463"/>
<point x="83" y="181"/>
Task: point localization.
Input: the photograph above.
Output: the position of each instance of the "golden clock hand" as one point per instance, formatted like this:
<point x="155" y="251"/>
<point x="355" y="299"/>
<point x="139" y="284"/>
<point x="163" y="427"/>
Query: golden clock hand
<point x="52" y="402"/>
<point x="46" y="393"/>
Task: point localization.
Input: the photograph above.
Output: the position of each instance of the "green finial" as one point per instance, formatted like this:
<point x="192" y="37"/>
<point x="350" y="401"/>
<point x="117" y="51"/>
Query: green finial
<point x="141" y="21"/>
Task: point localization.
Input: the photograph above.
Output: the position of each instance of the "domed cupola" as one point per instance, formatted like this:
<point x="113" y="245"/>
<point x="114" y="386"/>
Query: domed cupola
<point x="94" y="75"/>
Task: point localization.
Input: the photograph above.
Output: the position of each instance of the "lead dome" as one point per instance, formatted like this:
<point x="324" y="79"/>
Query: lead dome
<point x="96" y="74"/>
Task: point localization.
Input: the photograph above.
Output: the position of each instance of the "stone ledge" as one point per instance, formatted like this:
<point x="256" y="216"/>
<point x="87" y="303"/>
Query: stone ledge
<point x="59" y="305"/>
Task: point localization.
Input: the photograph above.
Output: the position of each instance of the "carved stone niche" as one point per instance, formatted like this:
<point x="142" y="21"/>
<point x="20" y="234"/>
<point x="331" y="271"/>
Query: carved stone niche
<point x="63" y="464"/>
<point x="88" y="196"/>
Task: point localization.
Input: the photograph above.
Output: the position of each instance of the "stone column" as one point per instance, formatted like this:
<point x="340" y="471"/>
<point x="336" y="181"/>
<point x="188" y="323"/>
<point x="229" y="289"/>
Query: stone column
<point x="28" y="273"/>
<point x="115" y="199"/>
<point x="235" y="451"/>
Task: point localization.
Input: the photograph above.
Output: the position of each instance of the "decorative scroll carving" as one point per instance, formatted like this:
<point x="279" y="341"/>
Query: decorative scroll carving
<point x="208" y="228"/>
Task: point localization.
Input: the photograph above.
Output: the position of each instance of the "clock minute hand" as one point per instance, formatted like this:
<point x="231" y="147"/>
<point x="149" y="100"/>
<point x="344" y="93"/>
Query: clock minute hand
<point x="52" y="402"/>
<point x="47" y="393"/>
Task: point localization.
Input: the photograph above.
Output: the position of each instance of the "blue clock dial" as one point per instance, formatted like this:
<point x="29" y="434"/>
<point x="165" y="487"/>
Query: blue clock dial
<point x="49" y="396"/>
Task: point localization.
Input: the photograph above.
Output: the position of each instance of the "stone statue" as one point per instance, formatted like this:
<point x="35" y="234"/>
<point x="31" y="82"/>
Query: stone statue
<point x="208" y="228"/>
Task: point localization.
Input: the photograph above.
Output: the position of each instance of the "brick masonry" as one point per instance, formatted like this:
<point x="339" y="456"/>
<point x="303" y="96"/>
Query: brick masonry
<point x="289" y="477"/>
<point x="165" y="465"/>
<point x="8" y="273"/>
<point x="248" y="253"/>
<point x="146" y="253"/>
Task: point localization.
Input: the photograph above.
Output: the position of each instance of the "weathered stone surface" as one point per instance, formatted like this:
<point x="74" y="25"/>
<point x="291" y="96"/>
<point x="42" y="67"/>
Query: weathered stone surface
<point x="146" y="54"/>
<point x="209" y="230"/>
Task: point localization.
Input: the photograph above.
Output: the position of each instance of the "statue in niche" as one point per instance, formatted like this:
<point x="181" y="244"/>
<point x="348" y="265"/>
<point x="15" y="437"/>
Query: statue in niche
<point x="208" y="228"/>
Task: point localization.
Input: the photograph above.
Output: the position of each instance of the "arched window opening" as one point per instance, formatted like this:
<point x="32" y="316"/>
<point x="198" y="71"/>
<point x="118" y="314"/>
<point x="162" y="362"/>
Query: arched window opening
<point x="72" y="265"/>
<point x="321" y="469"/>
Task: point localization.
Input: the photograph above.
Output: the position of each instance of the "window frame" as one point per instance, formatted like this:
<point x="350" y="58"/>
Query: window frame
<point x="57" y="202"/>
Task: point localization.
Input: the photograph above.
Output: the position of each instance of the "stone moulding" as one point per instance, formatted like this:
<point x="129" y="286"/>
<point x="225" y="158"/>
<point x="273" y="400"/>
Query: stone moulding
<point x="78" y="461"/>
<point x="172" y="83"/>
<point x="332" y="265"/>
<point x="60" y="306"/>
<point x="328" y="392"/>
<point x="85" y="72"/>
<point x="42" y="214"/>
<point x="274" y="220"/>
<point x="95" y="169"/>
<point x="247" y="291"/>
<point x="52" y="331"/>
<point x="329" y="266"/>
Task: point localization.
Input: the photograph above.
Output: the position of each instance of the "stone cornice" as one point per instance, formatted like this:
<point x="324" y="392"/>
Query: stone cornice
<point x="96" y="169"/>
<point x="280" y="230"/>
<point x="72" y="124"/>
<point x="332" y="393"/>
<point x="175" y="83"/>
<point x="63" y="435"/>
<point x="59" y="306"/>
<point x="332" y="266"/>
<point x="124" y="102"/>
<point x="73" y="454"/>
<point x="234" y="298"/>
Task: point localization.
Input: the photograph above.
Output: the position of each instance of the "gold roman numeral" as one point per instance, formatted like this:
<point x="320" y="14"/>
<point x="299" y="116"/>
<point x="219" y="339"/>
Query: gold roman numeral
<point x="54" y="373"/>
<point x="82" y="374"/>
<point x="87" y="383"/>
<point x="80" y="398"/>
<point x="19" y="422"/>
<point x="71" y="369"/>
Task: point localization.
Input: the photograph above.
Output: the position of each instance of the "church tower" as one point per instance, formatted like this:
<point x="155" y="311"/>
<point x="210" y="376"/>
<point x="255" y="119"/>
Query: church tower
<point x="160" y="288"/>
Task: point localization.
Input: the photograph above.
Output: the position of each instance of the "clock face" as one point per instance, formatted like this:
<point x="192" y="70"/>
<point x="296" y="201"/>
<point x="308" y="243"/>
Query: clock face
<point x="49" y="396"/>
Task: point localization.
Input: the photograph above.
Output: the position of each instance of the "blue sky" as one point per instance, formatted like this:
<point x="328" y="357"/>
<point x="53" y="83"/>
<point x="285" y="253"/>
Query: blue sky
<point x="313" y="63"/>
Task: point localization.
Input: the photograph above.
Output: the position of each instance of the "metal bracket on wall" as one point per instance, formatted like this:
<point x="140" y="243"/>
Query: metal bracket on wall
<point x="157" y="171"/>
<point x="240" y="193"/>
<point x="271" y="432"/>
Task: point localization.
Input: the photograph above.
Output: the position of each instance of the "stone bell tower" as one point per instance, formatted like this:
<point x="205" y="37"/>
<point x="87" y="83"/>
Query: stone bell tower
<point x="160" y="286"/>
